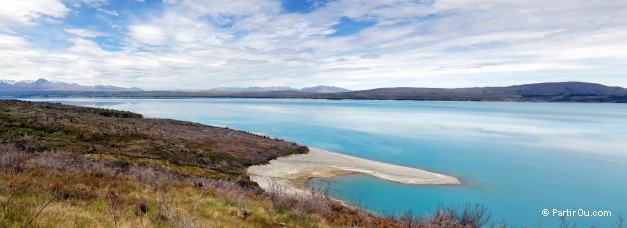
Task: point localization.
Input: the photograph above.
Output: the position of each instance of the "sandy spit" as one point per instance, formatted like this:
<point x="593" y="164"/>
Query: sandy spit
<point x="290" y="173"/>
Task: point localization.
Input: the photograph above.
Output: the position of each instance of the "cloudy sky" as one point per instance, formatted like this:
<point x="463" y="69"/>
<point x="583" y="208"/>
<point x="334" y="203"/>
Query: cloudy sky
<point x="357" y="44"/>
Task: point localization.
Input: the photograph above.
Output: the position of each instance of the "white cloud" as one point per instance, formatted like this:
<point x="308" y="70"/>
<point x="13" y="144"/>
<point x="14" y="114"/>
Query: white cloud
<point x="218" y="8"/>
<point x="200" y="44"/>
<point x="85" y="33"/>
<point x="26" y="12"/>
<point x="147" y="34"/>
<point x="89" y="3"/>
<point x="110" y="12"/>
<point x="8" y="42"/>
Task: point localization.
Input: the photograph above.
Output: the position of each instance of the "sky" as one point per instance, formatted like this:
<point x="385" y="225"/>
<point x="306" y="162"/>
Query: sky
<point x="355" y="44"/>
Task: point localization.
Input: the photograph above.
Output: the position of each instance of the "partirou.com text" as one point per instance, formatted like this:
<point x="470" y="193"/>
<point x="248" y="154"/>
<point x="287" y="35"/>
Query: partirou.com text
<point x="576" y="213"/>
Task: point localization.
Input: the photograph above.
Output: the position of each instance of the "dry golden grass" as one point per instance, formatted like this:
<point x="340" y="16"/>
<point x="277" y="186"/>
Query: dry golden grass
<point x="84" y="200"/>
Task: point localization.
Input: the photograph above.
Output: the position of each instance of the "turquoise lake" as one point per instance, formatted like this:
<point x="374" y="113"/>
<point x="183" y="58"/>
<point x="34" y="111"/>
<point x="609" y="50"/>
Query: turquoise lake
<point x="515" y="158"/>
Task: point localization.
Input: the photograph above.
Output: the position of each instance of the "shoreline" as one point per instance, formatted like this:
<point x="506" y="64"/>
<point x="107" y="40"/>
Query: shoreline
<point x="40" y="99"/>
<point x="291" y="173"/>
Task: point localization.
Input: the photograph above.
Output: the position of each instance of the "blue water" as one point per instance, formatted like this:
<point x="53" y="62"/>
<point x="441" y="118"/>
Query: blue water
<point x="515" y="158"/>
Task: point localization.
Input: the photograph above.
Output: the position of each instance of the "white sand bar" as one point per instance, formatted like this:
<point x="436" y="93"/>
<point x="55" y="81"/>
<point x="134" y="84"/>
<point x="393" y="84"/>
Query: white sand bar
<point x="291" y="170"/>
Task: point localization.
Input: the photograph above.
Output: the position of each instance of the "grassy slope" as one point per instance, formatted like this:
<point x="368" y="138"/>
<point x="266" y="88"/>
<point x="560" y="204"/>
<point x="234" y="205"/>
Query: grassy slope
<point x="67" y="166"/>
<point x="37" y="127"/>
<point x="99" y="167"/>
<point x="86" y="200"/>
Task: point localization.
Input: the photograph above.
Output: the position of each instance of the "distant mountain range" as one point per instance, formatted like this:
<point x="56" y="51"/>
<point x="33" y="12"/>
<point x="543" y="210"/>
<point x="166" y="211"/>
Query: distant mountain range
<point x="45" y="85"/>
<point x="316" y="89"/>
<point x="552" y="91"/>
<point x="324" y="89"/>
<point x="539" y="92"/>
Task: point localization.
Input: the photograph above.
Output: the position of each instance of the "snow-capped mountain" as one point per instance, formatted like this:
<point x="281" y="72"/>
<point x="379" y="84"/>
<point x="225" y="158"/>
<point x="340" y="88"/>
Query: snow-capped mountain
<point x="45" y="85"/>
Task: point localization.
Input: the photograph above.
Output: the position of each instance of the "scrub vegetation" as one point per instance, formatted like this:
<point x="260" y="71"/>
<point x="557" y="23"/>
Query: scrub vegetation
<point x="67" y="166"/>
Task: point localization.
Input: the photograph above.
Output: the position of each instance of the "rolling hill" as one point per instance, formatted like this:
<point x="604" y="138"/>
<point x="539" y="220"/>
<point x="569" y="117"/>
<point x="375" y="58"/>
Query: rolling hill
<point x="538" y="92"/>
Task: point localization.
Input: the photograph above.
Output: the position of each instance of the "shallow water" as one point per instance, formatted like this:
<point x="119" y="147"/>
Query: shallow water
<point x="515" y="158"/>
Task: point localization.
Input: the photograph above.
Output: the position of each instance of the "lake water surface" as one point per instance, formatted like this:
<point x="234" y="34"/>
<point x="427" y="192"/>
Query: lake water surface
<point x="515" y="158"/>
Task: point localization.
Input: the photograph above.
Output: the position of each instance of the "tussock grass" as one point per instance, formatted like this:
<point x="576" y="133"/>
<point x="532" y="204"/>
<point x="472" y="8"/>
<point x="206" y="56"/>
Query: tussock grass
<point x="83" y="200"/>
